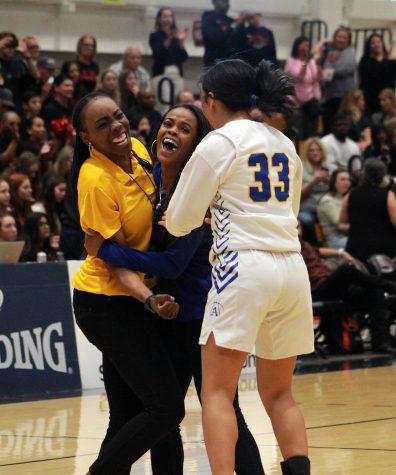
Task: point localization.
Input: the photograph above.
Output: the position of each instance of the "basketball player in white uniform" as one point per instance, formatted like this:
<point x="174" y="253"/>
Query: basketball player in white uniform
<point x="250" y="176"/>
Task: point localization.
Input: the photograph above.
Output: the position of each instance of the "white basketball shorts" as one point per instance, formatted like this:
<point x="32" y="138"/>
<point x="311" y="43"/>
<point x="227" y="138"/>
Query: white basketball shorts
<point x="260" y="299"/>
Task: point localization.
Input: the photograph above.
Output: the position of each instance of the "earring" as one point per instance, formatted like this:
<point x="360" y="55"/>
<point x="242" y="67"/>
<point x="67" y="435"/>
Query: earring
<point x="90" y="147"/>
<point x="153" y="153"/>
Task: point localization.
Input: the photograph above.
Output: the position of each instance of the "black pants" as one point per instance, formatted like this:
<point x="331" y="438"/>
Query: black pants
<point x="359" y="291"/>
<point x="144" y="397"/>
<point x="329" y="110"/>
<point x="167" y="456"/>
<point x="309" y="119"/>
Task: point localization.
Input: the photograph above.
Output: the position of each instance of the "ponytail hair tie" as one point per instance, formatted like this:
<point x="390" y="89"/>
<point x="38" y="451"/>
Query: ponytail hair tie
<point x="254" y="100"/>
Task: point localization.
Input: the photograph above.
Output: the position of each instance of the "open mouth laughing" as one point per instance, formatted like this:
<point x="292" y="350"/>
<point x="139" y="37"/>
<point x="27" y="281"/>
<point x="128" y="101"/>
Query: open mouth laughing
<point x="170" y="144"/>
<point x="121" y="139"/>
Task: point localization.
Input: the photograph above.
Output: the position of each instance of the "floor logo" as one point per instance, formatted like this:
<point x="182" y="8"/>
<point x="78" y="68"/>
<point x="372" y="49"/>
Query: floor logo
<point x="216" y="309"/>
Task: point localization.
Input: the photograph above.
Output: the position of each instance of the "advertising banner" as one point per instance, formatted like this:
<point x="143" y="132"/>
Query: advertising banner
<point x="38" y="354"/>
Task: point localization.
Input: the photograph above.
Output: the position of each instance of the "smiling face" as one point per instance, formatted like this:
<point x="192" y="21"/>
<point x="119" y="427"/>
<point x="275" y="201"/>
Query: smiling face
<point x="8" y="229"/>
<point x="176" y="138"/>
<point x="107" y="128"/>
<point x="166" y="20"/>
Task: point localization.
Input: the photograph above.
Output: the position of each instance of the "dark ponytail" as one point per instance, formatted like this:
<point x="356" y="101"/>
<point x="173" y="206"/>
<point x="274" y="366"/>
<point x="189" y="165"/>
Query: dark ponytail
<point x="274" y="90"/>
<point x="240" y="86"/>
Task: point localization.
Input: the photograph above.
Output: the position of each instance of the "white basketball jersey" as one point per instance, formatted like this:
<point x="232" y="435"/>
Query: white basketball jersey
<point x="250" y="176"/>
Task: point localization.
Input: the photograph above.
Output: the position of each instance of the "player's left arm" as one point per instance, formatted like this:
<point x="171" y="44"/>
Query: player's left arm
<point x="195" y="191"/>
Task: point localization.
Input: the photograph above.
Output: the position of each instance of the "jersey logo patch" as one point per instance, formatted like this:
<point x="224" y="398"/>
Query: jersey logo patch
<point x="216" y="309"/>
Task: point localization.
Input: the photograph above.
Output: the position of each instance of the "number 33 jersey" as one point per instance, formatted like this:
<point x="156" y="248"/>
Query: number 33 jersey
<point x="249" y="174"/>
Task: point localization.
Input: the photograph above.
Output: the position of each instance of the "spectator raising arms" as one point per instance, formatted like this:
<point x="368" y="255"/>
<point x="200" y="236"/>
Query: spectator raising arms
<point x="167" y="44"/>
<point x="254" y="41"/>
<point x="307" y="74"/>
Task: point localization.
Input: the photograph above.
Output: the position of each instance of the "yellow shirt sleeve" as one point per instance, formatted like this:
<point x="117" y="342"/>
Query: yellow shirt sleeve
<point x="100" y="212"/>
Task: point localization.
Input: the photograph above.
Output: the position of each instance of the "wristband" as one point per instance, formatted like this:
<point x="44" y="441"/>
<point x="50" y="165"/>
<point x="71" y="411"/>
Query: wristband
<point x="340" y="251"/>
<point x="148" y="303"/>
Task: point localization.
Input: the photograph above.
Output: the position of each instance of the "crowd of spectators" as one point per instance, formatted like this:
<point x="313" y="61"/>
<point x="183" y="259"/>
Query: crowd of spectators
<point x="345" y="114"/>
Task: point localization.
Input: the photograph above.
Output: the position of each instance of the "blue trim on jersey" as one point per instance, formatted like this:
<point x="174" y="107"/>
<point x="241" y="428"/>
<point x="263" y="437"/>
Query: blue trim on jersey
<point x="225" y="270"/>
<point x="221" y="227"/>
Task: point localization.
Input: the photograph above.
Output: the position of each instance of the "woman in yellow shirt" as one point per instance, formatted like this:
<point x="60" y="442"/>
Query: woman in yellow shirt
<point x="116" y="194"/>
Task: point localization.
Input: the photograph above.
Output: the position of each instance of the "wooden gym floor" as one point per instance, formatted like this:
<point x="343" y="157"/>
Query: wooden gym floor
<point x="350" y="416"/>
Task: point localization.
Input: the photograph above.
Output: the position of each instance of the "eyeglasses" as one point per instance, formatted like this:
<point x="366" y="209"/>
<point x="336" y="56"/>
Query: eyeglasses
<point x="89" y="45"/>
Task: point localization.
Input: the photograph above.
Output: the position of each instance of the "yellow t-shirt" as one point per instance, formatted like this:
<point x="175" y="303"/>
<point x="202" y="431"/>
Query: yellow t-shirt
<point x="110" y="199"/>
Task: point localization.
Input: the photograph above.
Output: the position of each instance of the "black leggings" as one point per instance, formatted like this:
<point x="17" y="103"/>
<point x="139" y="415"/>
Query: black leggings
<point x="167" y="456"/>
<point x="144" y="397"/>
